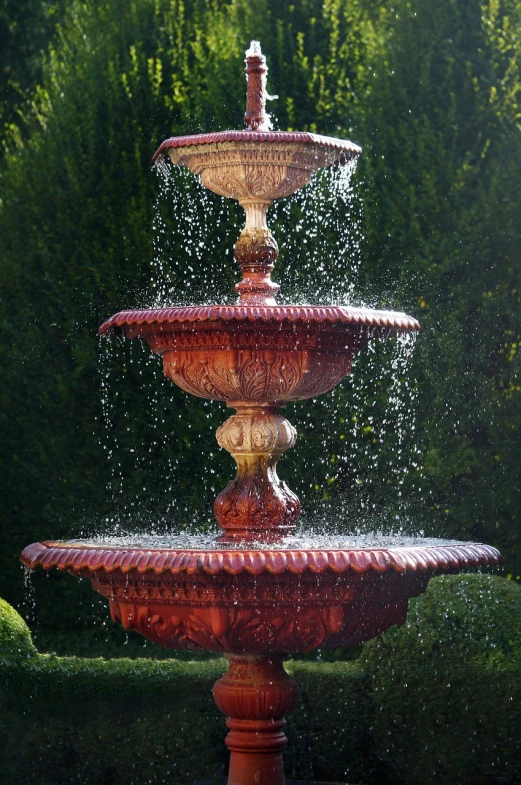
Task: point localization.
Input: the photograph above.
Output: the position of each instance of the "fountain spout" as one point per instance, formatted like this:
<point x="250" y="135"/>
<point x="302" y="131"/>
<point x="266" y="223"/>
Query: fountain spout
<point x="256" y="71"/>
<point x="256" y="249"/>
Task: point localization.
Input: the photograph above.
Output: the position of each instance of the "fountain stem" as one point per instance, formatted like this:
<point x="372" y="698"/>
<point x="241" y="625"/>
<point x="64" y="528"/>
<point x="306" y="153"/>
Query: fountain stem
<point x="256" y="505"/>
<point x="255" y="693"/>
<point x="255" y="252"/>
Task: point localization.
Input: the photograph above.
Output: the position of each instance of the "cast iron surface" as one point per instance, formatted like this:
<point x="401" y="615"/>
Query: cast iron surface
<point x="346" y="149"/>
<point x="382" y="323"/>
<point x="436" y="559"/>
<point x="258" y="601"/>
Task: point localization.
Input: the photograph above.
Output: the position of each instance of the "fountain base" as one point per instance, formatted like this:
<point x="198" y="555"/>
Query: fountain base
<point x="255" y="693"/>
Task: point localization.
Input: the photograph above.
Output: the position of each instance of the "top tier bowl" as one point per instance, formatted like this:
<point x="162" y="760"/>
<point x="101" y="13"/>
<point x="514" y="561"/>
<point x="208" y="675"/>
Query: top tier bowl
<point x="255" y="168"/>
<point x="255" y="165"/>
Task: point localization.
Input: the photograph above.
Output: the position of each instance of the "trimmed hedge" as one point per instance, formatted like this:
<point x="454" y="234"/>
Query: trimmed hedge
<point x="446" y="687"/>
<point x="109" y="722"/>
<point x="105" y="722"/>
<point x="436" y="700"/>
<point x="15" y="636"/>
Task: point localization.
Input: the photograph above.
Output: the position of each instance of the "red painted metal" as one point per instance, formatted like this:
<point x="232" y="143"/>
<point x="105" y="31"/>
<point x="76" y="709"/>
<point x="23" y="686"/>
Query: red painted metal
<point x="432" y="559"/>
<point x="257" y="607"/>
<point x="244" y="601"/>
<point x="380" y="324"/>
<point x="346" y="150"/>
<point x="256" y="72"/>
<point x="255" y="693"/>
<point x="221" y="353"/>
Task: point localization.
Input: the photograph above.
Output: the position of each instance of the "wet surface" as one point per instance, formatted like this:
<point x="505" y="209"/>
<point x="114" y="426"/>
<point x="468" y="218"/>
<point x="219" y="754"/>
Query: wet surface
<point x="305" y="541"/>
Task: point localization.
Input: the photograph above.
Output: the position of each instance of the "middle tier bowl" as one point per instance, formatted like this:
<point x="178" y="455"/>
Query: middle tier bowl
<point x="258" y="354"/>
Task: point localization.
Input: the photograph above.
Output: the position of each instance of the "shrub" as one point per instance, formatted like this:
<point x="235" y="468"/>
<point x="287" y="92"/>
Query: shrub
<point x="15" y="637"/>
<point x="446" y="687"/>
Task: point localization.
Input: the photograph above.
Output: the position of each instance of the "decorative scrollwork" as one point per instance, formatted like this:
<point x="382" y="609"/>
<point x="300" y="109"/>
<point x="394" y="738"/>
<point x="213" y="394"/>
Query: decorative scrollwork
<point x="255" y="375"/>
<point x="245" y="169"/>
<point x="256" y="504"/>
<point x="242" y="626"/>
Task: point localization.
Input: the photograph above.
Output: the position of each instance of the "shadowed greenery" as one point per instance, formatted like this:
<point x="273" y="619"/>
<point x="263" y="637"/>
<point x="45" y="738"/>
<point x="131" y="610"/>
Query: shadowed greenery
<point x="447" y="685"/>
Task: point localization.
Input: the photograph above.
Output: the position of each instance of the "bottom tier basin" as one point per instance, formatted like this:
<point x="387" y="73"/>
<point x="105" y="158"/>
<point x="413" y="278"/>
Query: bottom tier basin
<point x="284" y="600"/>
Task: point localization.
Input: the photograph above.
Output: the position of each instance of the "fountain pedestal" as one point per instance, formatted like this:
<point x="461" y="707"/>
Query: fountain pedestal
<point x="255" y="694"/>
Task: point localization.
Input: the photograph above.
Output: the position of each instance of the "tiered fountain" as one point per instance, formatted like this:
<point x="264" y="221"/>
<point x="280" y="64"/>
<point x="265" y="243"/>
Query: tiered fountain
<point x="256" y="595"/>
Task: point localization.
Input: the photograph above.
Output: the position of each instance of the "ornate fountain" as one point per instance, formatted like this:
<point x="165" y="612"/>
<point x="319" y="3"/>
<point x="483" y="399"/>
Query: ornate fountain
<point x="257" y="596"/>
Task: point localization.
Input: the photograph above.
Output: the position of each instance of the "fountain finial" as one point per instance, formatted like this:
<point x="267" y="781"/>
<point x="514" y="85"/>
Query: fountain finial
<point x="256" y="71"/>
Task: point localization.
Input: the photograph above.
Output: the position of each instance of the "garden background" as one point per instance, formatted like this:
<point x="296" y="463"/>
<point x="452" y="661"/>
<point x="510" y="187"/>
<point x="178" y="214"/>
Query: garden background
<point x="92" y="437"/>
<point x="431" y="92"/>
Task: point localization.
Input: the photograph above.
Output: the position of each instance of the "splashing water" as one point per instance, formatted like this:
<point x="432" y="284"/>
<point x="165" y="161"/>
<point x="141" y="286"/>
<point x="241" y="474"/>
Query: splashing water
<point x="194" y="231"/>
<point x="308" y="540"/>
<point x="320" y="255"/>
<point x="356" y="442"/>
<point x="382" y="447"/>
<point x="29" y="598"/>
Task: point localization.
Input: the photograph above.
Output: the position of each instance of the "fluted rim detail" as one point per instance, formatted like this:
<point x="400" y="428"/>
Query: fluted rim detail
<point x="346" y="149"/>
<point x="433" y="559"/>
<point x="305" y="314"/>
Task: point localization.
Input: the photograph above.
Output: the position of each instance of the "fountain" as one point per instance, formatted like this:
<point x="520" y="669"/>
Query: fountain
<point x="258" y="593"/>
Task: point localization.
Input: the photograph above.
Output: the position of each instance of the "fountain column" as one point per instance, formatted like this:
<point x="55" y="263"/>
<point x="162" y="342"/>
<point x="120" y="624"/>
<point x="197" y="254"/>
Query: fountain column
<point x="255" y="693"/>
<point x="256" y="505"/>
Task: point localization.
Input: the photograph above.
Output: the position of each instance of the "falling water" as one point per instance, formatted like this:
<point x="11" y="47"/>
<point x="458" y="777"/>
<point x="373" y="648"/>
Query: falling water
<point x="304" y="540"/>
<point x="318" y="231"/>
<point x="194" y="231"/>
<point x="28" y="608"/>
<point x="357" y="442"/>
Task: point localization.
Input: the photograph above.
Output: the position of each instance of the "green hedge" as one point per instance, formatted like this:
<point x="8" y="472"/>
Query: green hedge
<point x="99" y="722"/>
<point x="438" y="699"/>
<point x="15" y="638"/>
<point x="446" y="687"/>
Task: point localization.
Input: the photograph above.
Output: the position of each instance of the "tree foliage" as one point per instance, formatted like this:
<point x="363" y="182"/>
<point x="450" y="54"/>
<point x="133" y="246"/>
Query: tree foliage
<point x="431" y="91"/>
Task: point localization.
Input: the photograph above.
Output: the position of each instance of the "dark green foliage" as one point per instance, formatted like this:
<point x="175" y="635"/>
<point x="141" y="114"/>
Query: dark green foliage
<point x="135" y="721"/>
<point x="329" y="731"/>
<point x="25" y="32"/>
<point x="431" y="90"/>
<point x="68" y="720"/>
<point x="446" y="687"/>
